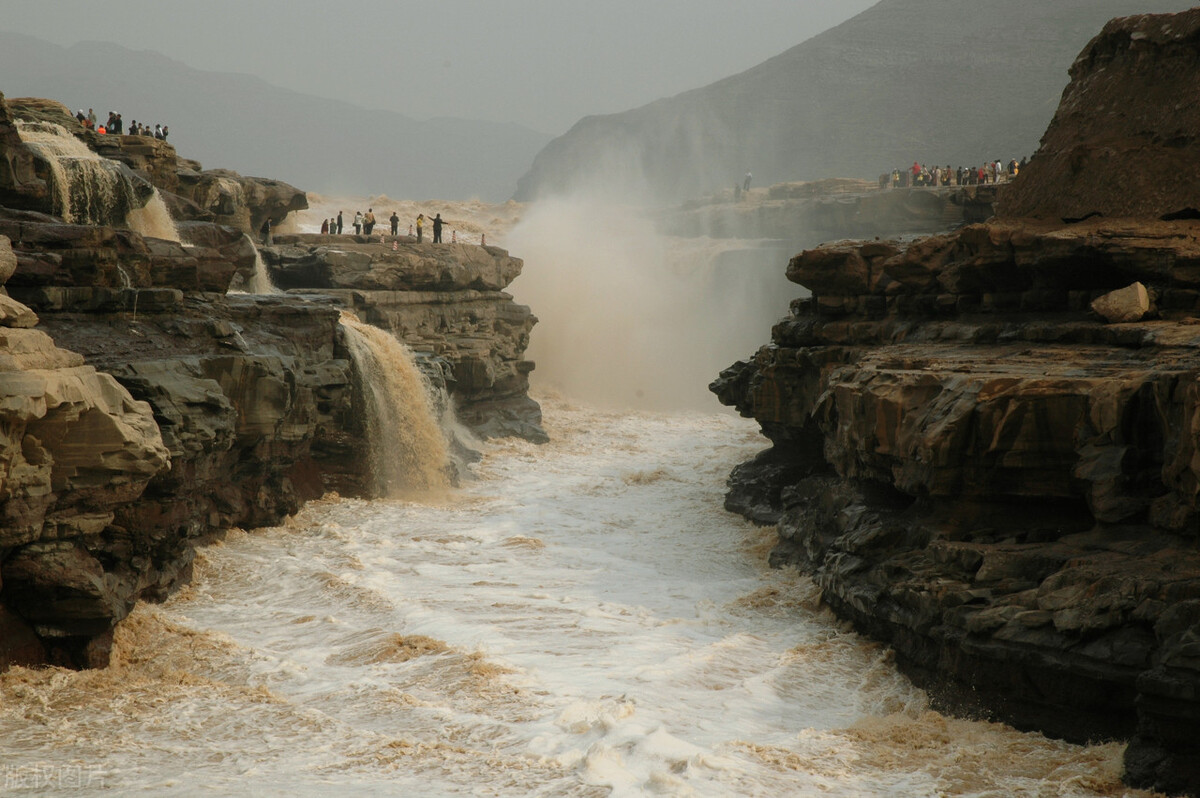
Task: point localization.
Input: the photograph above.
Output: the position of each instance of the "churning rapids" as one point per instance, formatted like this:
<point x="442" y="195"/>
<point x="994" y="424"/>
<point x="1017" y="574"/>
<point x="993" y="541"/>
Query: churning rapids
<point x="582" y="619"/>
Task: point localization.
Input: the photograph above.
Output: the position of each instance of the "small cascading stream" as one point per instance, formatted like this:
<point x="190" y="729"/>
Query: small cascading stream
<point x="90" y="189"/>
<point x="260" y="283"/>
<point x="257" y="283"/>
<point x="408" y="451"/>
<point x="153" y="220"/>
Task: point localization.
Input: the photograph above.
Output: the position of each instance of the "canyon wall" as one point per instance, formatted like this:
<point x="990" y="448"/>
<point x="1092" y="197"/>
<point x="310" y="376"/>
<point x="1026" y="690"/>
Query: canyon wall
<point x="986" y="444"/>
<point x="146" y="409"/>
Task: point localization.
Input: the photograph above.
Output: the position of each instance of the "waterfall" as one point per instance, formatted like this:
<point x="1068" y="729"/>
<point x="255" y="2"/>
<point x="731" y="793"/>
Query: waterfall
<point x="407" y="449"/>
<point x="260" y="283"/>
<point x="257" y="283"/>
<point x="90" y="189"/>
<point x="154" y="220"/>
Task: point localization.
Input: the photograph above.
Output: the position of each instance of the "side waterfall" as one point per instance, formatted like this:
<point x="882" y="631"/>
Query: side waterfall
<point x="261" y="282"/>
<point x="153" y="220"/>
<point x="408" y="451"/>
<point x="90" y="189"/>
<point x="257" y="283"/>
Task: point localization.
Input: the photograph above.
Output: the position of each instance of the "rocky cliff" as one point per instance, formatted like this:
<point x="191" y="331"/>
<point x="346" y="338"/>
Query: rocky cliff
<point x="989" y="460"/>
<point x="145" y="409"/>
<point x="445" y="300"/>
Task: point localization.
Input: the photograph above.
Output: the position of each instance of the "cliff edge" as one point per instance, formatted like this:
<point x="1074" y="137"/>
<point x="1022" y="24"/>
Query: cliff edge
<point x="146" y="408"/>
<point x="986" y="445"/>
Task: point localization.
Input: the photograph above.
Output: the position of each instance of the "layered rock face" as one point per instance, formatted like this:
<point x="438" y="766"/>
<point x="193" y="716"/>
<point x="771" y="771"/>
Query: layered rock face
<point x="242" y="202"/>
<point x="982" y="471"/>
<point x="176" y="413"/>
<point x="145" y="409"/>
<point x="442" y="299"/>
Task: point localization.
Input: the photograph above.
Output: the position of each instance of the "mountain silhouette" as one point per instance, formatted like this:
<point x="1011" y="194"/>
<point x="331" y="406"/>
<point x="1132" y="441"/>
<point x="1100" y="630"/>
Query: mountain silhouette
<point x="937" y="81"/>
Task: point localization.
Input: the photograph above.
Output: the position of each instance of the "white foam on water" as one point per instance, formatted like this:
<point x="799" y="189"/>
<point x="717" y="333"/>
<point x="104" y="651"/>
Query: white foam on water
<point x="582" y="619"/>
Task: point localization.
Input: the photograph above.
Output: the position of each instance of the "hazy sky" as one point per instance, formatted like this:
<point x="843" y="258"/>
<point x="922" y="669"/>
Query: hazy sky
<point x="540" y="63"/>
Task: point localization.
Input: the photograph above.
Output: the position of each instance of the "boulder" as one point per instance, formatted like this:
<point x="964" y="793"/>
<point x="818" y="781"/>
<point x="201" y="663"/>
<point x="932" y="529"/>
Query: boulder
<point x="1123" y="305"/>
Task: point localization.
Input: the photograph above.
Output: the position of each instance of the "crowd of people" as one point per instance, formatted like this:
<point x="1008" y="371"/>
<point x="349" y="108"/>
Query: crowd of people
<point x="116" y="125"/>
<point x="364" y="224"/>
<point x="921" y="175"/>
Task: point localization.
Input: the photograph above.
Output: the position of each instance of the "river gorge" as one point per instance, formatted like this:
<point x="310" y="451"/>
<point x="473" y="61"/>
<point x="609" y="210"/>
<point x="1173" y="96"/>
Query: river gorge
<point x="287" y="516"/>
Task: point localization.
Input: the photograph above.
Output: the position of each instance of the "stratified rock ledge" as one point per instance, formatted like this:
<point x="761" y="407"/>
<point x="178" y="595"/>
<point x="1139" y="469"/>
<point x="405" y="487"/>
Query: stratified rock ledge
<point x="982" y="471"/>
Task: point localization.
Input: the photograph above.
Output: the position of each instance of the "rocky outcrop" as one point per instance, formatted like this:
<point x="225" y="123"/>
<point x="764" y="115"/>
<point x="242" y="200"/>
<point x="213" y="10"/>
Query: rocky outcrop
<point x="191" y="193"/>
<point x="983" y="474"/>
<point x="1124" y="101"/>
<point x="77" y="449"/>
<point x="445" y="300"/>
<point x="983" y="471"/>
<point x="152" y="159"/>
<point x="238" y="395"/>
<point x="20" y="184"/>
<point x="242" y="202"/>
<point x="146" y="409"/>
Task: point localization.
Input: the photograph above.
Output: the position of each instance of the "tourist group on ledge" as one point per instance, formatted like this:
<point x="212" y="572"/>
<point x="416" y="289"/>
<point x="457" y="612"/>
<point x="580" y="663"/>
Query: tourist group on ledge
<point x="920" y="175"/>
<point x="364" y="224"/>
<point x="116" y="125"/>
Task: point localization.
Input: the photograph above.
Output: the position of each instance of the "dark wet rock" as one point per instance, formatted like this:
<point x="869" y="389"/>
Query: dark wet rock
<point x="146" y="410"/>
<point x="997" y="481"/>
<point x="21" y="185"/>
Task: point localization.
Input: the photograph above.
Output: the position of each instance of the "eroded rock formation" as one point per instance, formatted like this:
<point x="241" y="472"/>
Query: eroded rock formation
<point x="446" y="300"/>
<point x="241" y="202"/>
<point x="146" y="409"/>
<point x="175" y="413"/>
<point x="982" y="471"/>
<point x="1125" y="99"/>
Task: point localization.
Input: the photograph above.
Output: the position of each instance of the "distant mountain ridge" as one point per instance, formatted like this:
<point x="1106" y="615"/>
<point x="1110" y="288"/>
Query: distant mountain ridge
<point x="938" y="81"/>
<point x="244" y="123"/>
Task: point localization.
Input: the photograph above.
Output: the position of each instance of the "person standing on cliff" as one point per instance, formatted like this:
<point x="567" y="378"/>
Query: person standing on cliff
<point x="339" y="223"/>
<point x="437" y="229"/>
<point x="369" y="221"/>
<point x="324" y="227"/>
<point x="357" y="222"/>
<point x="746" y="181"/>
<point x="420" y="226"/>
<point x="395" y="220"/>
